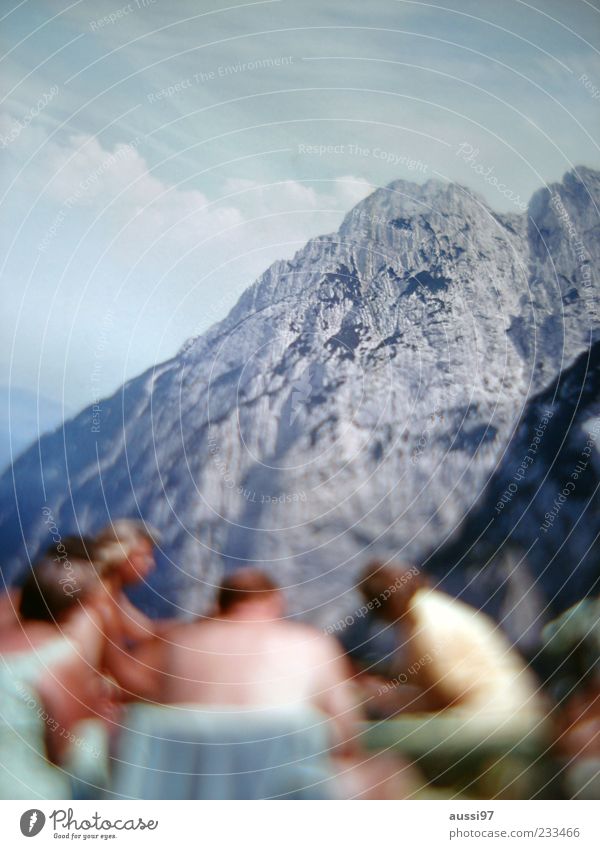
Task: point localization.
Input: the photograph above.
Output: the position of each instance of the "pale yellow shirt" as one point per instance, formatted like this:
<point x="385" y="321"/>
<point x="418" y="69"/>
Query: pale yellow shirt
<point x="466" y="660"/>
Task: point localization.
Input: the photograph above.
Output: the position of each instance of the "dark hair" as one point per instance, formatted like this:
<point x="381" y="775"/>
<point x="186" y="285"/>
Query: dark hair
<point x="76" y="547"/>
<point x="393" y="585"/>
<point x="244" y="585"/>
<point x="51" y="588"/>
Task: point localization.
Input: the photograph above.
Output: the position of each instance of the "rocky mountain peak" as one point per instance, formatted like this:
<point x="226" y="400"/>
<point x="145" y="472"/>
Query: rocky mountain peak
<point x="356" y="401"/>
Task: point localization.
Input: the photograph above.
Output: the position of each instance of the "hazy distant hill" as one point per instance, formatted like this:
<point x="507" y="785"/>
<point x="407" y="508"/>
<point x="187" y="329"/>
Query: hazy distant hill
<point x="24" y="417"/>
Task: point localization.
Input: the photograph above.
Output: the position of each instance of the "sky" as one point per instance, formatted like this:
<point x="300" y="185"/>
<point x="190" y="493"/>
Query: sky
<point x="157" y="156"/>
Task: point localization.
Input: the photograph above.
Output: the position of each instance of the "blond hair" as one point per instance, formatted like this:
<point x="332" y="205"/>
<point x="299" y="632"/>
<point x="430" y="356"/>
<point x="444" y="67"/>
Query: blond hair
<point x="116" y="541"/>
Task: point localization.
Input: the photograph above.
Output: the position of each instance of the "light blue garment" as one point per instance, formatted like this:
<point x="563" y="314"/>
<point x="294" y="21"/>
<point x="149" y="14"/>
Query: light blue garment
<point x="87" y="760"/>
<point x="25" y="772"/>
<point x="200" y="752"/>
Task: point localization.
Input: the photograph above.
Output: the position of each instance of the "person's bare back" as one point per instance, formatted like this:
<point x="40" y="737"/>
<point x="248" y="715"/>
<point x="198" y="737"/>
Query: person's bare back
<point x="249" y="656"/>
<point x="238" y="661"/>
<point x="248" y="659"/>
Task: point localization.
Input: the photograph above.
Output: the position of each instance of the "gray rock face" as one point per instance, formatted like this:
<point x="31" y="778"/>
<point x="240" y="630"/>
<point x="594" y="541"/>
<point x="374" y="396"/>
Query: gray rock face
<point x="356" y="401"/>
<point x="531" y="546"/>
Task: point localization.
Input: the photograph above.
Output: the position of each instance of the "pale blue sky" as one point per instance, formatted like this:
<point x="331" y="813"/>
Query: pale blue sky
<point x="132" y="218"/>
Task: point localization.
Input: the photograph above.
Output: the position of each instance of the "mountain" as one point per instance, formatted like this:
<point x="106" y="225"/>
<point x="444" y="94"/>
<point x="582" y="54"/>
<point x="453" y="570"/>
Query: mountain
<point x="369" y="397"/>
<point x="532" y="543"/>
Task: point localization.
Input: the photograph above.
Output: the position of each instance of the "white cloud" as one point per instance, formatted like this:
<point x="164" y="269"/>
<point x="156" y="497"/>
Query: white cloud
<point x="143" y="208"/>
<point x="167" y="251"/>
<point x="287" y="195"/>
<point x="146" y="210"/>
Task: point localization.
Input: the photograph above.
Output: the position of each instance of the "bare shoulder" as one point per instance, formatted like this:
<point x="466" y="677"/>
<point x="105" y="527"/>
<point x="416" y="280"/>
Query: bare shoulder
<point x="187" y="633"/>
<point x="18" y="638"/>
<point x="321" y="643"/>
<point x="298" y="630"/>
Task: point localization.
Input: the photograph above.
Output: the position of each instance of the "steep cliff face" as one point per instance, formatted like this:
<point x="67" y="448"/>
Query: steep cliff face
<point x="531" y="546"/>
<point x="355" y="402"/>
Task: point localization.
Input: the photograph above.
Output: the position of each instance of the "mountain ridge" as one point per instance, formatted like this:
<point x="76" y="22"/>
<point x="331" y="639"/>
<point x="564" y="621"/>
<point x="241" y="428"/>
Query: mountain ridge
<point x="372" y="384"/>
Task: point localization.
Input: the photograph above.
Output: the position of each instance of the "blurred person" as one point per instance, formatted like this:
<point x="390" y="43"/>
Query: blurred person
<point x="127" y="546"/>
<point x="121" y="554"/>
<point x="9" y="607"/>
<point x="571" y="648"/>
<point x="68" y="547"/>
<point x="71" y="547"/>
<point x="45" y="680"/>
<point x="247" y="654"/>
<point x="124" y="553"/>
<point x="54" y="665"/>
<point x="456" y="655"/>
<point x="257" y="703"/>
